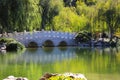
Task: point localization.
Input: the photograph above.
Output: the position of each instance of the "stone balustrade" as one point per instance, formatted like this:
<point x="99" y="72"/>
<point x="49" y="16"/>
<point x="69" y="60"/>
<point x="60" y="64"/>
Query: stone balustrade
<point x="40" y="37"/>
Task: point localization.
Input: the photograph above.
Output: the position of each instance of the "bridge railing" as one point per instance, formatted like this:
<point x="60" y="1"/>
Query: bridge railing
<point x="41" y="34"/>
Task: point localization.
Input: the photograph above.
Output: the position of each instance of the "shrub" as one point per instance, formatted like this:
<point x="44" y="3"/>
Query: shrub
<point x="83" y="36"/>
<point x="11" y="44"/>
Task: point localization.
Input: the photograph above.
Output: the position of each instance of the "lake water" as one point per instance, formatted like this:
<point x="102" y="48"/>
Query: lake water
<point x="94" y="63"/>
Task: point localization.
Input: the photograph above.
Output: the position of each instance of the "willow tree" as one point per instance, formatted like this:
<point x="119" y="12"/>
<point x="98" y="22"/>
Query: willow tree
<point x="110" y="14"/>
<point x="69" y="21"/>
<point x="32" y="14"/>
<point x="112" y="18"/>
<point x="50" y="8"/>
<point x="4" y="14"/>
<point x="19" y="14"/>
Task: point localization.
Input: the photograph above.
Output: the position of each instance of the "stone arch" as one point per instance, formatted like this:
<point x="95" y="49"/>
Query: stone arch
<point x="62" y="43"/>
<point x="48" y="43"/>
<point x="32" y="44"/>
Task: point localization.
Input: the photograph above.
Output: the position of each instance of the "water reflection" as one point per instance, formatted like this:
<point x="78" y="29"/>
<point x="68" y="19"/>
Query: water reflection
<point x="52" y="54"/>
<point x="95" y="63"/>
<point x="48" y="50"/>
<point x="46" y="55"/>
<point x="99" y="60"/>
<point x="63" y="48"/>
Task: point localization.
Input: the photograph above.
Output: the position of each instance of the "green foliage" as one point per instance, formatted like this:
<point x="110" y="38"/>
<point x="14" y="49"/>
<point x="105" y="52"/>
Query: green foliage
<point x="83" y="36"/>
<point x="50" y="9"/>
<point x="19" y="15"/>
<point x="6" y="40"/>
<point x="62" y="77"/>
<point x="59" y="15"/>
<point x="69" y="21"/>
<point x="87" y="2"/>
<point x="69" y="3"/>
<point x="11" y="44"/>
<point x="110" y="15"/>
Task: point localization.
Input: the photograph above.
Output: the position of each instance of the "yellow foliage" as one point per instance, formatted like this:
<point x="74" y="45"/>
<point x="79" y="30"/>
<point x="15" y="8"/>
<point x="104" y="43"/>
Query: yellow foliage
<point x="69" y="21"/>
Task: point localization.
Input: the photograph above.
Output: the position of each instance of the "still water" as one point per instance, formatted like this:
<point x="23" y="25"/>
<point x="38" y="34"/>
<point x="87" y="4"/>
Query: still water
<point x="94" y="63"/>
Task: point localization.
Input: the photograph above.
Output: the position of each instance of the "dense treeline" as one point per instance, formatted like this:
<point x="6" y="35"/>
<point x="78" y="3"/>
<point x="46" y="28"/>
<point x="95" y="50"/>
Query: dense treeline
<point x="60" y="15"/>
<point x="19" y="15"/>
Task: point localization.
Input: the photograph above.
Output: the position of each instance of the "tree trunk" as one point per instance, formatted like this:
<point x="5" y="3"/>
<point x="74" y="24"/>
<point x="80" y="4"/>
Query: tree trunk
<point x="111" y="33"/>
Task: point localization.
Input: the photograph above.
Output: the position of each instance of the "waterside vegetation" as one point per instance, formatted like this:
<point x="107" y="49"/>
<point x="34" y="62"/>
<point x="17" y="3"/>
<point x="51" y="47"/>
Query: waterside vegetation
<point x="87" y="39"/>
<point x="9" y="44"/>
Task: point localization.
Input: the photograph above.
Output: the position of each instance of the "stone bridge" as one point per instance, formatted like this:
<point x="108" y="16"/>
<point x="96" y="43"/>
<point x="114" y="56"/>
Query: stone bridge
<point x="45" y="38"/>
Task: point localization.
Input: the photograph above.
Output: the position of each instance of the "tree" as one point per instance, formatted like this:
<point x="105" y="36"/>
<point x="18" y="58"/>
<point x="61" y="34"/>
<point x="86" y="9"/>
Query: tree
<point x="50" y="8"/>
<point x="4" y="14"/>
<point x="19" y="15"/>
<point x="111" y="16"/>
<point x="69" y="3"/>
<point x="69" y="21"/>
<point x="87" y="2"/>
<point x="83" y="37"/>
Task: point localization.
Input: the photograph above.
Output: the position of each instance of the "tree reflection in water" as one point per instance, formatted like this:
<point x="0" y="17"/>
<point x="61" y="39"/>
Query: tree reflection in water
<point x="93" y="62"/>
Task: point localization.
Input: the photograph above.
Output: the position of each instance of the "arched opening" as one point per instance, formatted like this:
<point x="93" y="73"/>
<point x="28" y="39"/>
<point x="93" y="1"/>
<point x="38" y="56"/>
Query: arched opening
<point x="48" y="43"/>
<point x="62" y="44"/>
<point x="32" y="45"/>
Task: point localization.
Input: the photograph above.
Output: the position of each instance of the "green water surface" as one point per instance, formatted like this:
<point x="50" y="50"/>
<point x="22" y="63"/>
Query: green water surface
<point x="94" y="63"/>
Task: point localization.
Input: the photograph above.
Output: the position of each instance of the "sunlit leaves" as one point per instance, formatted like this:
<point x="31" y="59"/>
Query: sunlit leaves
<point x="69" y="21"/>
<point x="109" y="14"/>
<point x="19" y="15"/>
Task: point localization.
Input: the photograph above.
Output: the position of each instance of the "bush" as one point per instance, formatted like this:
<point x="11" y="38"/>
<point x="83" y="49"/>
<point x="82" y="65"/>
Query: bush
<point x="11" y="47"/>
<point x="6" y="40"/>
<point x="11" y="44"/>
<point x="83" y="36"/>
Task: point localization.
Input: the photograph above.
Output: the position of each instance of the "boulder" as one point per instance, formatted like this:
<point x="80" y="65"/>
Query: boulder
<point x="68" y="76"/>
